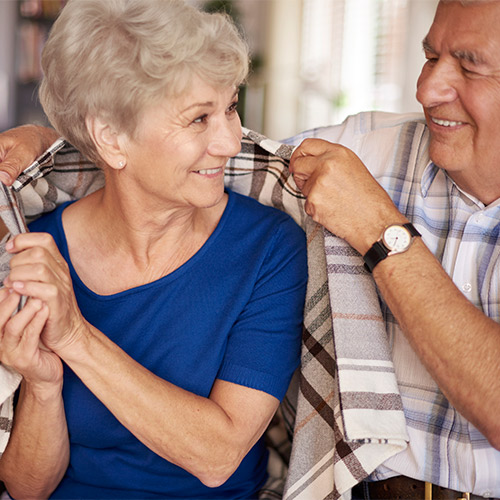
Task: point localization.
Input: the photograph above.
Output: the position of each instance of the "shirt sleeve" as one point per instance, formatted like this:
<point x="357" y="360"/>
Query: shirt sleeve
<point x="263" y="347"/>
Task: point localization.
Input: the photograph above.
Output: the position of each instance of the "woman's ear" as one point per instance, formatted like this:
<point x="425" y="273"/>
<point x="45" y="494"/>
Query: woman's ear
<point x="107" y="142"/>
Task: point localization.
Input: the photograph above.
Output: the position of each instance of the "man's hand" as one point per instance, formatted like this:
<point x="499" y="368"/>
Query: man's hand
<point x="341" y="193"/>
<point x="20" y="146"/>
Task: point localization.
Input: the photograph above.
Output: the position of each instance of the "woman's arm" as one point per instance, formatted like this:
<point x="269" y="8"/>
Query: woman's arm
<point x="37" y="454"/>
<point x="206" y="436"/>
<point x="20" y="146"/>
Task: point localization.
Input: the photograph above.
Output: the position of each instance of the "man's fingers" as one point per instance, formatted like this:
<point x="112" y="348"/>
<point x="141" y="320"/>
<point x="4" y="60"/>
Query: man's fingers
<point x="20" y="146"/>
<point x="312" y="147"/>
<point x="13" y="161"/>
<point x="307" y="158"/>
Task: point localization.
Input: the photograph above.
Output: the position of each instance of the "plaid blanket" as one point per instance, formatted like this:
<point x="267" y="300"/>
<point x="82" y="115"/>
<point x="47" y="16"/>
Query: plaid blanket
<point x="342" y="415"/>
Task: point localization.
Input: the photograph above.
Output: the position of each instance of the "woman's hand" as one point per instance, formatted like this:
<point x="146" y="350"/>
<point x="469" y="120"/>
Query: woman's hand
<point x="20" y="146"/>
<point x="39" y="271"/>
<point x="20" y="346"/>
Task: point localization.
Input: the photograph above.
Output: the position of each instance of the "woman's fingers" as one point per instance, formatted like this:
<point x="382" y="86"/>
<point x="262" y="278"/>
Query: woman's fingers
<point x="24" y="241"/>
<point x="36" y="248"/>
<point x="37" y="271"/>
<point x="42" y="290"/>
<point x="16" y="328"/>
<point x="9" y="303"/>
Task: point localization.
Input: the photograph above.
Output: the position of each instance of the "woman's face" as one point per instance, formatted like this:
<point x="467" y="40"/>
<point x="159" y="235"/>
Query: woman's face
<point x="182" y="145"/>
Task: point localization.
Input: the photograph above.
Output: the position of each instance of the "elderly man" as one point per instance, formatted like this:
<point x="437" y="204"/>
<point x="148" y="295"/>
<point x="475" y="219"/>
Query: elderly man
<point x="442" y="310"/>
<point x="419" y="200"/>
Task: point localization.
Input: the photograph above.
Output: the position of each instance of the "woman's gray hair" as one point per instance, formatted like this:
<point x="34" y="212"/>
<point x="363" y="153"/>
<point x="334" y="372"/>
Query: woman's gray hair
<point x="112" y="59"/>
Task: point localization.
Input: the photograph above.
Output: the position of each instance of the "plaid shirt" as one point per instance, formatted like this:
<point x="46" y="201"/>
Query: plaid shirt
<point x="463" y="234"/>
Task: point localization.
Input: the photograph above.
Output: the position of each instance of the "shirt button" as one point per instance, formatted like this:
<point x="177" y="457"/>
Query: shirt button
<point x="466" y="287"/>
<point x="487" y="494"/>
<point x="479" y="217"/>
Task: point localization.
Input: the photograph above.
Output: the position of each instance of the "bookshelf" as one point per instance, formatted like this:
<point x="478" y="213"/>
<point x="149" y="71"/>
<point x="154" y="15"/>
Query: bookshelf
<point x="34" y="20"/>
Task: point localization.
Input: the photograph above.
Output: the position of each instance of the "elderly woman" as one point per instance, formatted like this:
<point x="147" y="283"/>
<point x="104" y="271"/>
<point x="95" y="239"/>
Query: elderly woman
<point x="164" y="314"/>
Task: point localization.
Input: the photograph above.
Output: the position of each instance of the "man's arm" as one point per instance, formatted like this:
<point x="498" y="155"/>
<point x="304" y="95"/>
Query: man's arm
<point x="457" y="343"/>
<point x="20" y="146"/>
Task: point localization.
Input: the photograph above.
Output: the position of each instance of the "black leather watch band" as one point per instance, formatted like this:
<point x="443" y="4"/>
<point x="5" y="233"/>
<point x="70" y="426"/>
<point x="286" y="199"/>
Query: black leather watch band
<point x="379" y="251"/>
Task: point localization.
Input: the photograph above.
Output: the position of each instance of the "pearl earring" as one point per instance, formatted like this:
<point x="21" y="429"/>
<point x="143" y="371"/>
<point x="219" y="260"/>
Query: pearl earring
<point x="121" y="164"/>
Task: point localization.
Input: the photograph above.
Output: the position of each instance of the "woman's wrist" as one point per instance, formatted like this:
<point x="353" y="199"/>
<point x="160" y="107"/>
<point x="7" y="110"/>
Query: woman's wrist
<point x="76" y="343"/>
<point x="42" y="392"/>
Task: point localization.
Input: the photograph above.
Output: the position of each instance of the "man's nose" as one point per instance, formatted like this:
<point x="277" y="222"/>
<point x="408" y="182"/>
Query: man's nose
<point x="437" y="83"/>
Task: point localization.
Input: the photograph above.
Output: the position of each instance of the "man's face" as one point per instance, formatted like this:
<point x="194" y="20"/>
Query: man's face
<point x="459" y="89"/>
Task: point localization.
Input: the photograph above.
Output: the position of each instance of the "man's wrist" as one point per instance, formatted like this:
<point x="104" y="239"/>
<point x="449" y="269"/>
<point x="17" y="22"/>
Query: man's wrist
<point x="394" y="239"/>
<point x="371" y="232"/>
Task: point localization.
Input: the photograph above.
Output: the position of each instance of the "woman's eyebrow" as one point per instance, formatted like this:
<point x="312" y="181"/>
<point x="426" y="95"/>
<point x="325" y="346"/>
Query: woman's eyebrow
<point x="207" y="103"/>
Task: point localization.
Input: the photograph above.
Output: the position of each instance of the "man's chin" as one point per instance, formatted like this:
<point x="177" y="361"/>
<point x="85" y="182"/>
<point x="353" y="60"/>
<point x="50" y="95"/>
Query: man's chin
<point x="444" y="156"/>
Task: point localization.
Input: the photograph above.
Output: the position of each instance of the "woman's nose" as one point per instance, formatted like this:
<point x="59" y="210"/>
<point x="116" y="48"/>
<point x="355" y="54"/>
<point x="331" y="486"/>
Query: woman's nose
<point x="437" y="83"/>
<point x="226" y="138"/>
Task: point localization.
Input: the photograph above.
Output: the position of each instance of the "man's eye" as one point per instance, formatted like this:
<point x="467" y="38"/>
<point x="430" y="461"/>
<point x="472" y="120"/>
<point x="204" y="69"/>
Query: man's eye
<point x="468" y="71"/>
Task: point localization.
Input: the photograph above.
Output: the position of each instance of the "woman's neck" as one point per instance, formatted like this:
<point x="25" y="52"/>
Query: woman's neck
<point x="116" y="233"/>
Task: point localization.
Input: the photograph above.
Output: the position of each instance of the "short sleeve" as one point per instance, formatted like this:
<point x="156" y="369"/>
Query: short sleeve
<point x="263" y="347"/>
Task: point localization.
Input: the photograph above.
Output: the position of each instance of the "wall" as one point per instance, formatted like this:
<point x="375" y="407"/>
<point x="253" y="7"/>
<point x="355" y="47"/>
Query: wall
<point x="8" y="16"/>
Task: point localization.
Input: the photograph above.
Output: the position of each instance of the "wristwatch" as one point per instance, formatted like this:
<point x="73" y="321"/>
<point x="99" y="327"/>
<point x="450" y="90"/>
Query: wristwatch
<point x="396" y="238"/>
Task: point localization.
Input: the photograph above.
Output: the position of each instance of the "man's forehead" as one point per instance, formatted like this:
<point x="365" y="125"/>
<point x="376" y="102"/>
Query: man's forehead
<point x="469" y="2"/>
<point x="469" y="33"/>
<point x="472" y="21"/>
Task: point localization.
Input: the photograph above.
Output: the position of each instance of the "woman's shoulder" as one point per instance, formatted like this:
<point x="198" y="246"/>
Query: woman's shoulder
<point x="255" y="210"/>
<point x="265" y="223"/>
<point x="49" y="221"/>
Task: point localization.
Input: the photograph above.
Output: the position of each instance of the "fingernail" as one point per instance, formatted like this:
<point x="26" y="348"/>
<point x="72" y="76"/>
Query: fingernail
<point x="5" y="178"/>
<point x="18" y="285"/>
<point x="9" y="245"/>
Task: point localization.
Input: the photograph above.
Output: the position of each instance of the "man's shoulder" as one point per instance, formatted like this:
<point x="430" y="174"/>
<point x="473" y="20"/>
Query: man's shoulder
<point x="378" y="123"/>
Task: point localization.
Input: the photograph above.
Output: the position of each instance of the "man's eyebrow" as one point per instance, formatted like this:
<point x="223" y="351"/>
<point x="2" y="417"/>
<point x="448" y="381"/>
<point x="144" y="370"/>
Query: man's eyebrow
<point x="463" y="55"/>
<point x="467" y="55"/>
<point x="427" y="46"/>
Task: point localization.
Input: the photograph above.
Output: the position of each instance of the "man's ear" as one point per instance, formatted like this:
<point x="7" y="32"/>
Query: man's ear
<point x="107" y="141"/>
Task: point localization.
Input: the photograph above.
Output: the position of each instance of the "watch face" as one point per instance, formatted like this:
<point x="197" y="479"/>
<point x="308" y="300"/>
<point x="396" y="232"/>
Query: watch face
<point x="397" y="238"/>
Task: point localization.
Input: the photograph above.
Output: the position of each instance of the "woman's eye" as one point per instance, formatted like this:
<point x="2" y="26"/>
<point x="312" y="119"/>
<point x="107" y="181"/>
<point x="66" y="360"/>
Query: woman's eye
<point x="232" y="107"/>
<point x="201" y="119"/>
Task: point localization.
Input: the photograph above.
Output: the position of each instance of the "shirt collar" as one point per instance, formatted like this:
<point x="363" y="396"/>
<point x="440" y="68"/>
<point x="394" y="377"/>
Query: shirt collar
<point x="429" y="175"/>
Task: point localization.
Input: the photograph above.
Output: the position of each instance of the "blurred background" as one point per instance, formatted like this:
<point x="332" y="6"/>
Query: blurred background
<point x="314" y="61"/>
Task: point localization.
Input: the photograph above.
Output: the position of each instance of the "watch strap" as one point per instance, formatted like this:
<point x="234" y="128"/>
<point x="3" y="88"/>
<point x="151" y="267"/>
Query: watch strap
<point x="379" y="251"/>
